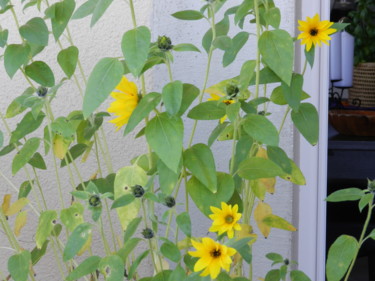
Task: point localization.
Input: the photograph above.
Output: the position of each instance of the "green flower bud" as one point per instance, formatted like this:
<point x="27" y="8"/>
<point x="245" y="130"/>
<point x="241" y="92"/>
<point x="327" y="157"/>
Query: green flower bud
<point x="147" y="233"/>
<point x="94" y="200"/>
<point x="232" y="90"/>
<point x="170" y="202"/>
<point x="286" y="262"/>
<point x="42" y="91"/>
<point x="138" y="191"/>
<point x="164" y="43"/>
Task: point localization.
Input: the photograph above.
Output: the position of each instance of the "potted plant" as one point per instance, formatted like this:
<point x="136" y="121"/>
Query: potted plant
<point x="363" y="29"/>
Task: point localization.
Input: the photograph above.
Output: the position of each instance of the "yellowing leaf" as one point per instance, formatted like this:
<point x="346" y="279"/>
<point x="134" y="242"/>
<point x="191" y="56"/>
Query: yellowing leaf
<point x="20" y="222"/>
<point x="278" y="222"/>
<point x="184" y="243"/>
<point x="246" y="232"/>
<point x="262" y="153"/>
<point x="60" y="146"/>
<point x="16" y="207"/>
<point x="6" y="202"/>
<point x="268" y="184"/>
<point x="261" y="211"/>
<point x="86" y="246"/>
<point x="296" y="176"/>
<point x="220" y="88"/>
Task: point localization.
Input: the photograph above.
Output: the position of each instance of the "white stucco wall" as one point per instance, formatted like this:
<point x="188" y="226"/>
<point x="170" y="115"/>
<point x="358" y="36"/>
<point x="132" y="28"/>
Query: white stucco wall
<point x="104" y="40"/>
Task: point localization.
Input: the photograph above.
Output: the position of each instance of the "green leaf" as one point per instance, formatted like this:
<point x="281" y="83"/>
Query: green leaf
<point x="221" y="28"/>
<point x="295" y="176"/>
<point x="18" y="106"/>
<point x="105" y="76"/>
<point x="261" y="129"/>
<point x="1" y="139"/>
<point x="100" y="7"/>
<point x="275" y="257"/>
<point x="112" y="268"/>
<point x="170" y="251"/>
<point x="372" y="234"/>
<point x="67" y="60"/>
<point x="145" y="106"/>
<point x="184" y="223"/>
<point x="188" y="15"/>
<point x="15" y="56"/>
<point x="73" y="216"/>
<point x="60" y="14"/>
<point x="41" y="73"/>
<point x="216" y="132"/>
<point x="238" y="42"/>
<point x="185" y="47"/>
<point x="339" y="26"/>
<point x="278" y="97"/>
<point x="243" y="10"/>
<point x="46" y="224"/>
<point x="37" y="161"/>
<point x="77" y="240"/>
<point x="306" y="119"/>
<point x="25" y="154"/>
<point x="165" y="136"/>
<point x="63" y="127"/>
<point x="37" y="254"/>
<point x="19" y="266"/>
<point x="293" y="93"/>
<point x="277" y="50"/>
<point x="135" y="46"/>
<point x="88" y="266"/>
<point x="128" y="248"/>
<point x="204" y="198"/>
<point x="85" y="9"/>
<point x="35" y="31"/>
<point x="172" y="97"/>
<point x="340" y="256"/>
<point x="278" y="155"/>
<point x="177" y="274"/>
<point x="209" y="110"/>
<point x="347" y="194"/>
<point x="123" y="201"/>
<point x="273" y="17"/>
<point x="278" y="222"/>
<point x="74" y="152"/>
<point x="247" y="73"/>
<point x="257" y="168"/>
<point x="167" y="178"/>
<point x="297" y="275"/>
<point x="132" y="227"/>
<point x="126" y="178"/>
<point x="222" y="42"/>
<point x="200" y="161"/>
<point x="365" y="200"/>
<point x="273" y="275"/>
<point x="3" y="37"/>
<point x="136" y="262"/>
<point x="310" y="55"/>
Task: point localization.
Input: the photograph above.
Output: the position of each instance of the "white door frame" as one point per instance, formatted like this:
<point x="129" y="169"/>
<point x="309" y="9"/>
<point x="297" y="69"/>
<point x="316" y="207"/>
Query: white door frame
<point x="310" y="206"/>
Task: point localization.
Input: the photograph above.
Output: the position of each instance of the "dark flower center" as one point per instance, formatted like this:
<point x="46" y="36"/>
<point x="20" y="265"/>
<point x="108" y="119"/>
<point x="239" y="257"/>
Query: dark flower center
<point x="229" y="219"/>
<point x="313" y="32"/>
<point x="216" y="253"/>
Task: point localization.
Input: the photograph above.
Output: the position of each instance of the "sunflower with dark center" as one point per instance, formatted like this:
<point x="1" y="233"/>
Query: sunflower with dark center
<point x="213" y="256"/>
<point x="315" y="31"/>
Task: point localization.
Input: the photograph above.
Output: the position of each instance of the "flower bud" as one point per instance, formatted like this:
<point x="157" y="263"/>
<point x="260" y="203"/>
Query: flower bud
<point x="42" y="91"/>
<point x="138" y="191"/>
<point x="147" y="233"/>
<point x="170" y="202"/>
<point x="232" y="90"/>
<point x="286" y="262"/>
<point x="94" y="200"/>
<point x="371" y="185"/>
<point x="164" y="43"/>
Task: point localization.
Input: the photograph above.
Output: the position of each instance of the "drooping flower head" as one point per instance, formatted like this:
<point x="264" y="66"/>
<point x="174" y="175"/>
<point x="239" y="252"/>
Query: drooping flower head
<point x="212" y="257"/>
<point x="126" y="100"/>
<point x="225" y="219"/>
<point x="315" y="31"/>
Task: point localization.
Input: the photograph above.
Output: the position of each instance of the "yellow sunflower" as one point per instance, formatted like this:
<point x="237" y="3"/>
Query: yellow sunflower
<point x="315" y="31"/>
<point x="220" y="96"/>
<point x="225" y="219"/>
<point x="212" y="257"/>
<point x="126" y="100"/>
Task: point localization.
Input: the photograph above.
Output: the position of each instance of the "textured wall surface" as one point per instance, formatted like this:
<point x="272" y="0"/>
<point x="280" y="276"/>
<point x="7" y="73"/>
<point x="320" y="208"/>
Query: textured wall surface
<point x="104" y="40"/>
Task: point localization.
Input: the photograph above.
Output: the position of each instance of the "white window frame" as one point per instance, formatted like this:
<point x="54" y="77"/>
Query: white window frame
<point x="309" y="206"/>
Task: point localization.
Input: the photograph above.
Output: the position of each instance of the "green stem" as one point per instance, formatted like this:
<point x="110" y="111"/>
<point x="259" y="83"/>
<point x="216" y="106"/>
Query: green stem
<point x="40" y="188"/>
<point x="146" y="225"/>
<point x="257" y="74"/>
<point x="361" y="239"/>
<point x="104" y="239"/>
<point x="304" y="68"/>
<point x="235" y="133"/>
<point x="284" y="118"/>
<point x="168" y="64"/>
<point x="208" y="67"/>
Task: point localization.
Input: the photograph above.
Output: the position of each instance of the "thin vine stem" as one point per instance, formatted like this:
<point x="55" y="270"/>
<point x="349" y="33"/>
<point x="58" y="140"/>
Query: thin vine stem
<point x="257" y="74"/>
